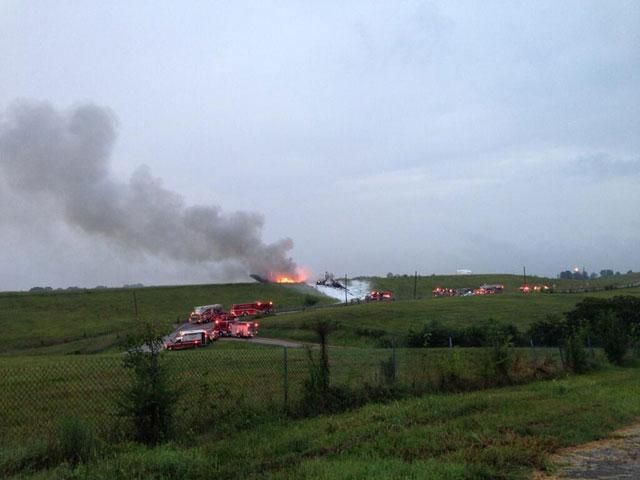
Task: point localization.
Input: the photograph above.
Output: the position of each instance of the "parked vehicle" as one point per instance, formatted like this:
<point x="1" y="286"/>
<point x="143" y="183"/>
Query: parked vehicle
<point x="187" y="340"/>
<point x="487" y="289"/>
<point x="222" y="324"/>
<point x="380" y="296"/>
<point x="526" y="288"/>
<point x="244" y="329"/>
<point x="205" y="313"/>
<point x="251" y="309"/>
<point x="443" y="292"/>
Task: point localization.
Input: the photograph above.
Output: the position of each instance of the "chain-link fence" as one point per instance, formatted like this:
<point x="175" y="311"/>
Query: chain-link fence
<point x="223" y="381"/>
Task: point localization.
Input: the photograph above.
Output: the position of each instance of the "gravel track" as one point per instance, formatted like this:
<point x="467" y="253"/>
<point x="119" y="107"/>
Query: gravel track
<point x="613" y="458"/>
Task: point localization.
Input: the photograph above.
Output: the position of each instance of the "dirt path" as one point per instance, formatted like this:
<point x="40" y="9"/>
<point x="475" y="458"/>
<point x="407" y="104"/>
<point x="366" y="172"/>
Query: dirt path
<point x="614" y="458"/>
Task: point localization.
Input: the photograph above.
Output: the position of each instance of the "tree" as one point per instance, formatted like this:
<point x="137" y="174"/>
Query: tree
<point x="550" y="332"/>
<point x="615" y="335"/>
<point x="149" y="399"/>
<point x="614" y="322"/>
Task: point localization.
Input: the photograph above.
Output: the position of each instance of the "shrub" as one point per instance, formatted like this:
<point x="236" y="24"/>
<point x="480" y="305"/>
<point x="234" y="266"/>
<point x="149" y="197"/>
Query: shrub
<point x="74" y="442"/>
<point x="550" y="332"/>
<point x="388" y="371"/>
<point x="318" y="394"/>
<point x="499" y="353"/>
<point x="614" y="335"/>
<point x="575" y="355"/>
<point x="433" y="334"/>
<point x="310" y="300"/>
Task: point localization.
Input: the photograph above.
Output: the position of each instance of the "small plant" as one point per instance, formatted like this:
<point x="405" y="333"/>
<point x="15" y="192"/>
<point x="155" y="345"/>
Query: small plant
<point x="575" y="355"/>
<point x="318" y="394"/>
<point x="388" y="371"/>
<point x="310" y="300"/>
<point x="75" y="442"/>
<point x="449" y="376"/>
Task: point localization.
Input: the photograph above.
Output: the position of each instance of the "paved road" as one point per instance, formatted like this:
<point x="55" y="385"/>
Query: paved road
<point x="260" y="340"/>
<point x="264" y="341"/>
<point x="614" y="458"/>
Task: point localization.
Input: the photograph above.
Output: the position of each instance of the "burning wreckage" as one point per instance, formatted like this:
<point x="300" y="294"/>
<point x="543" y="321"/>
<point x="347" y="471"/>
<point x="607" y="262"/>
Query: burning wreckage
<point x="330" y="281"/>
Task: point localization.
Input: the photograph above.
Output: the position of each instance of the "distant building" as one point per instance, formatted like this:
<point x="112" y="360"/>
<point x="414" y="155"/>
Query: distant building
<point x="463" y="271"/>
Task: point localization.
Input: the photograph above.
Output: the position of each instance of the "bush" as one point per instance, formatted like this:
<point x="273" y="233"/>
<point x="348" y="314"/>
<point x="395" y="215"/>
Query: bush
<point x="499" y="353"/>
<point x="75" y="442"/>
<point x="550" y="332"/>
<point x="388" y="371"/>
<point x="575" y="355"/>
<point x="433" y="334"/>
<point x="310" y="300"/>
<point x="614" y="335"/>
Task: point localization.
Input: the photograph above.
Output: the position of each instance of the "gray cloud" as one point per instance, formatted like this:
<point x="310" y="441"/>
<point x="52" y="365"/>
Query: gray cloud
<point x="601" y="165"/>
<point x="64" y="158"/>
<point x="382" y="136"/>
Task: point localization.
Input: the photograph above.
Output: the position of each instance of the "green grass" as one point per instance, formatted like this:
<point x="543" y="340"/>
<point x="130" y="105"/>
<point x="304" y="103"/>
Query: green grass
<point x="366" y="324"/>
<point x="224" y="378"/>
<point x="493" y="434"/>
<point x="403" y="287"/>
<point x="236" y="390"/>
<point x="92" y="320"/>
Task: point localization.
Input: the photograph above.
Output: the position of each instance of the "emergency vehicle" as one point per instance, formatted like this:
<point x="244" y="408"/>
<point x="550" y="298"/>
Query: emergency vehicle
<point x="251" y="309"/>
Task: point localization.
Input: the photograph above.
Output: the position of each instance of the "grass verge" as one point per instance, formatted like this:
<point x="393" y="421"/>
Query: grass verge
<point x="497" y="434"/>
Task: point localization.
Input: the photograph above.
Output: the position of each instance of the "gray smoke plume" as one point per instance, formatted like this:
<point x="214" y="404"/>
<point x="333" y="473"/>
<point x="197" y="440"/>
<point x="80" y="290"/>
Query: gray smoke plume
<point x="65" y="157"/>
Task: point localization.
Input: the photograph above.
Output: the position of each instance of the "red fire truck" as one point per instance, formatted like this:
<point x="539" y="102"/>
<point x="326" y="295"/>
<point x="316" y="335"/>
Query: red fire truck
<point x="222" y="324"/>
<point x="205" y="313"/>
<point x="251" y="309"/>
<point x="379" y="296"/>
<point x="244" y="329"/>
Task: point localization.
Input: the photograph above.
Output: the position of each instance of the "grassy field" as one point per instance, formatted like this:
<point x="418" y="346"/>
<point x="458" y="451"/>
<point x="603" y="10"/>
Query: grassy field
<point x="235" y="392"/>
<point x="367" y="324"/>
<point x="225" y="377"/>
<point x="403" y="287"/>
<point x="93" y="320"/>
<point x="494" y="434"/>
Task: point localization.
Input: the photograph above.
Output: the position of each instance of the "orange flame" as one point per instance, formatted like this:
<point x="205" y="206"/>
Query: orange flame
<point x="285" y="280"/>
<point x="299" y="276"/>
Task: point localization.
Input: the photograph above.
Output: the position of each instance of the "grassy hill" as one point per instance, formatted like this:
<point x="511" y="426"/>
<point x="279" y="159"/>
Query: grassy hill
<point x="92" y="320"/>
<point x="500" y="433"/>
<point x="403" y="286"/>
<point x="364" y="324"/>
<point x="369" y="324"/>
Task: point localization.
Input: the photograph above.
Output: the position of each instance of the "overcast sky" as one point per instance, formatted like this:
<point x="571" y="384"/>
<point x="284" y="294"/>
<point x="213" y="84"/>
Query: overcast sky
<point x="378" y="136"/>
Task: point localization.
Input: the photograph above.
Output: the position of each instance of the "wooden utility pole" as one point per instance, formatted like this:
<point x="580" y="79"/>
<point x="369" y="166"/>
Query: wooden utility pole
<point x="135" y="305"/>
<point x="415" y="285"/>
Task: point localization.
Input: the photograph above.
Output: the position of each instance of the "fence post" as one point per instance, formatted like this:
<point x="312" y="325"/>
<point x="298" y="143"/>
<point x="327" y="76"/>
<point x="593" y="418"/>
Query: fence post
<point x="394" y="360"/>
<point x="533" y="353"/>
<point x="286" y="379"/>
<point x="450" y="342"/>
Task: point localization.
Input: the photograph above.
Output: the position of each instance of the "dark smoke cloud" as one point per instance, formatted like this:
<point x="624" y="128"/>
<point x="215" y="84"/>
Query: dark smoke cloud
<point x="64" y="157"/>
